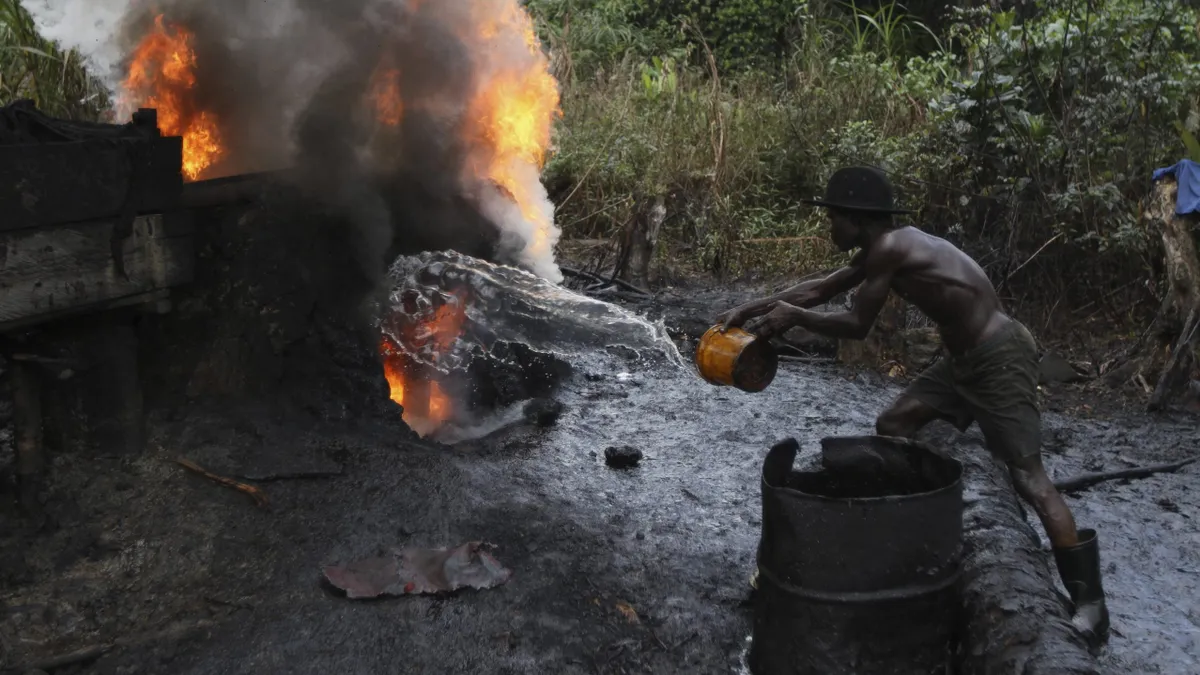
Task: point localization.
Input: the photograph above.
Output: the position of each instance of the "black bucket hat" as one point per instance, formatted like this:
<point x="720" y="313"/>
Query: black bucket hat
<point x="859" y="188"/>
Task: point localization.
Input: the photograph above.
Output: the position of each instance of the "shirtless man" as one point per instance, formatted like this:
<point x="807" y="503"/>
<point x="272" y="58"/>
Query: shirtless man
<point x="990" y="377"/>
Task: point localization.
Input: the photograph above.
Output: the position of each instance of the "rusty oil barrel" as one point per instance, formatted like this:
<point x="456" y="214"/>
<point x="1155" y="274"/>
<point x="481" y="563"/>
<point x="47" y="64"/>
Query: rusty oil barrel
<point x="735" y="358"/>
<point x="859" y="561"/>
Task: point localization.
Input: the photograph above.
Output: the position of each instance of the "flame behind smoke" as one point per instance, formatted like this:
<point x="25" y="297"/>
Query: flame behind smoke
<point x="162" y="75"/>
<point x="385" y="96"/>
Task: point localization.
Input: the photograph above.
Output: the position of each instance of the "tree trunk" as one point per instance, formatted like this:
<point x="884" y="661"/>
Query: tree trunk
<point x="638" y="243"/>
<point x="1166" y="354"/>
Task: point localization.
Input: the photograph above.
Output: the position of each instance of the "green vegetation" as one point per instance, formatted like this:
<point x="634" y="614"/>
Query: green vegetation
<point x="1028" y="140"/>
<point x="32" y="67"/>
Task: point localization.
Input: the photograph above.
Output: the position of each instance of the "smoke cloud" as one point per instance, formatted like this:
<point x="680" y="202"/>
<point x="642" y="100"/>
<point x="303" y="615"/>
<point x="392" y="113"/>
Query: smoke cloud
<point x="421" y="122"/>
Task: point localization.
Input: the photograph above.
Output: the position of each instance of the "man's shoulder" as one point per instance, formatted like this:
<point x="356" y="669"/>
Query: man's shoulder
<point x="894" y="247"/>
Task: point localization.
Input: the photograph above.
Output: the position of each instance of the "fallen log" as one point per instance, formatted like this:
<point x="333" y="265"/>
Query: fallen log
<point x="1087" y="480"/>
<point x="1014" y="618"/>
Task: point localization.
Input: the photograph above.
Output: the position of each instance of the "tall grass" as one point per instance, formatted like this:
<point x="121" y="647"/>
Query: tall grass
<point x="32" y="67"/>
<point x="731" y="155"/>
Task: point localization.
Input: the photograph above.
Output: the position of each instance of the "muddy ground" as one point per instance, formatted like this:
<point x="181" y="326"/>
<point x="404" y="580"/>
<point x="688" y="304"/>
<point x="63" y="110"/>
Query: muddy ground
<point x="184" y="576"/>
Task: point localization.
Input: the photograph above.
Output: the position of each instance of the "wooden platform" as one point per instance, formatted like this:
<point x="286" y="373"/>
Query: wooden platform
<point x="54" y="271"/>
<point x="54" y="183"/>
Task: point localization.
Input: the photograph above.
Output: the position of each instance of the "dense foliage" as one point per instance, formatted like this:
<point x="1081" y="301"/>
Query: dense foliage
<point x="1029" y="139"/>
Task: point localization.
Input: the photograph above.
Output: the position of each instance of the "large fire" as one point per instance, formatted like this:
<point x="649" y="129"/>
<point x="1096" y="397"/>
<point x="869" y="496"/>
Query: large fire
<point x="162" y="75"/>
<point x="503" y="120"/>
<point x="413" y="384"/>
<point x="510" y="122"/>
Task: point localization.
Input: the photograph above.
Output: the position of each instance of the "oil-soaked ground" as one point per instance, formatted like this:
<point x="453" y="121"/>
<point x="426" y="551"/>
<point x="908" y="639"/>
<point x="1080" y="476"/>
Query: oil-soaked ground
<point x="636" y="571"/>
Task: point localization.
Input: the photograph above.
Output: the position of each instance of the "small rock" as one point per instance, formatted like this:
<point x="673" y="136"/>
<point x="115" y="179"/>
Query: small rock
<point x="622" y="457"/>
<point x="543" y="412"/>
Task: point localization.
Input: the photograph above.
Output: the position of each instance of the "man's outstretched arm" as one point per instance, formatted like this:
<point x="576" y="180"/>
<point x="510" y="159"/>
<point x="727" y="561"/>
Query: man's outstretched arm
<point x="856" y="323"/>
<point x="804" y="294"/>
<point x="853" y="324"/>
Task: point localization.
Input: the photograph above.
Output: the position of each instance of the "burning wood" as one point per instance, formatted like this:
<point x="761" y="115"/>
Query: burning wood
<point x="162" y="75"/>
<point x="455" y="95"/>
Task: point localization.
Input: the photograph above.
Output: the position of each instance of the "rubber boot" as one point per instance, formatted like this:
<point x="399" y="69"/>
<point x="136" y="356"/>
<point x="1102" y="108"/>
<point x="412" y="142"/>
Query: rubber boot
<point x="1079" y="567"/>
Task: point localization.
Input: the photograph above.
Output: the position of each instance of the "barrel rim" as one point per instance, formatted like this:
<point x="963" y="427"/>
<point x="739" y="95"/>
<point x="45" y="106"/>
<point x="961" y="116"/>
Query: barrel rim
<point x="953" y="486"/>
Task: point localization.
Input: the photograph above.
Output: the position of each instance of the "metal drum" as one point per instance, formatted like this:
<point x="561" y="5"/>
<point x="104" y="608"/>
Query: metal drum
<point x="859" y="561"/>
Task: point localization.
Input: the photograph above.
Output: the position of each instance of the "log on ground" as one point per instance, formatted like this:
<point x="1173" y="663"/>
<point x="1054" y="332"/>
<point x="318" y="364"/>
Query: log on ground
<point x="1014" y="618"/>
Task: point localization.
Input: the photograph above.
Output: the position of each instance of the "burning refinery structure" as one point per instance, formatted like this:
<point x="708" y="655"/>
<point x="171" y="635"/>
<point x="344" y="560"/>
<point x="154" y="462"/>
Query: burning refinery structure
<point x="413" y="125"/>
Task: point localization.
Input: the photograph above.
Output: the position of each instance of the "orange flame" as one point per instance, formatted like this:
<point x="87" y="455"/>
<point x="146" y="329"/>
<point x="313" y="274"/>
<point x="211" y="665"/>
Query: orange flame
<point x="512" y="117"/>
<point x="385" y="96"/>
<point x="162" y="75"/>
<point x="406" y="378"/>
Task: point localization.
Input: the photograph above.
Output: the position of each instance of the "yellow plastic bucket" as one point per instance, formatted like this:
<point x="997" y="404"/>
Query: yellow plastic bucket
<point x="735" y="358"/>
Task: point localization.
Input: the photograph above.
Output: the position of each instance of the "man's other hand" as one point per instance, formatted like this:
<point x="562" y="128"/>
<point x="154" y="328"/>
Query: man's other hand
<point x="781" y="317"/>
<point x="734" y="318"/>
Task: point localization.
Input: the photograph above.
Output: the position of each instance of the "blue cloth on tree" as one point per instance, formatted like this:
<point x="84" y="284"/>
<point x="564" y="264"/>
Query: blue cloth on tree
<point x="1187" y="174"/>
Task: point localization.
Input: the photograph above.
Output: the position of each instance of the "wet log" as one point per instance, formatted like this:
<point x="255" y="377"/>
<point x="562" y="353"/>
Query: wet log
<point x="51" y="272"/>
<point x="1014" y="618"/>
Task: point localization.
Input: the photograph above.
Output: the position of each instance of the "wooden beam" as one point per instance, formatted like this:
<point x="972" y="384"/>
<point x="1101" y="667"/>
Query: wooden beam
<point x="48" y="272"/>
<point x="51" y="183"/>
<point x="27" y="423"/>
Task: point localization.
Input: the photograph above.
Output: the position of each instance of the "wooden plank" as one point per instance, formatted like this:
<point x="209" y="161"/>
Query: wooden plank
<point x="54" y="183"/>
<point x="47" y="272"/>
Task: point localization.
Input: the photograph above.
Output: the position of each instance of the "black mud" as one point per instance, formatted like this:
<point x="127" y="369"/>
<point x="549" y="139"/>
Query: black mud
<point x="640" y="570"/>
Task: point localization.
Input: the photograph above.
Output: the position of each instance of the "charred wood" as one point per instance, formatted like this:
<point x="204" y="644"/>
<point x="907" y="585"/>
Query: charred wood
<point x="1087" y="480"/>
<point x="27" y="423"/>
<point x="65" y="269"/>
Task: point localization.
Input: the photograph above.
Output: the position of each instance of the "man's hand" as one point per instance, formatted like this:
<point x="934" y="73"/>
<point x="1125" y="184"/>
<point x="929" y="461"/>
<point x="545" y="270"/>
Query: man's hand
<point x="781" y="317"/>
<point x="734" y="318"/>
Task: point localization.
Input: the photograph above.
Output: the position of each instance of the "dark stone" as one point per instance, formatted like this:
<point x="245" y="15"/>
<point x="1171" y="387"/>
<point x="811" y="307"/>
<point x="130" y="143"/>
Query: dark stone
<point x="622" y="457"/>
<point x="543" y="412"/>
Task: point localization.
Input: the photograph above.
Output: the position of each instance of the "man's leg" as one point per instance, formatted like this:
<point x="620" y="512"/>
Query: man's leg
<point x="1035" y="487"/>
<point x="905" y="417"/>
<point x="1003" y="399"/>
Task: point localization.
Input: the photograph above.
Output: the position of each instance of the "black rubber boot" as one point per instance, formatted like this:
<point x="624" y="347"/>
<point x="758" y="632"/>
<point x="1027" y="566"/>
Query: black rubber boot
<point x="1079" y="567"/>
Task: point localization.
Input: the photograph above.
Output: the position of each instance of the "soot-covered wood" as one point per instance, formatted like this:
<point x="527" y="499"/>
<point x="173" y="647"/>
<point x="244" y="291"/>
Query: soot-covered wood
<point x="50" y="272"/>
<point x="50" y="183"/>
<point x="279" y="313"/>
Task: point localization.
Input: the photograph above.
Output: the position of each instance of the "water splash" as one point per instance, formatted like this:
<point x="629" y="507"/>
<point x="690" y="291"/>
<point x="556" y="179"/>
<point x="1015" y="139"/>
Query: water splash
<point x="510" y="305"/>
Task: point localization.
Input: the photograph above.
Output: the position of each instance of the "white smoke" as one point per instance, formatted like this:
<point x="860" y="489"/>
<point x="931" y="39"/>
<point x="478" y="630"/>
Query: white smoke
<point x="284" y="77"/>
<point x="89" y="26"/>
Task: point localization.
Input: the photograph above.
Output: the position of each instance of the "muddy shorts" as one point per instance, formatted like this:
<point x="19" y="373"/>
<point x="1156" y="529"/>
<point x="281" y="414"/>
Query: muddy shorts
<point x="994" y="384"/>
